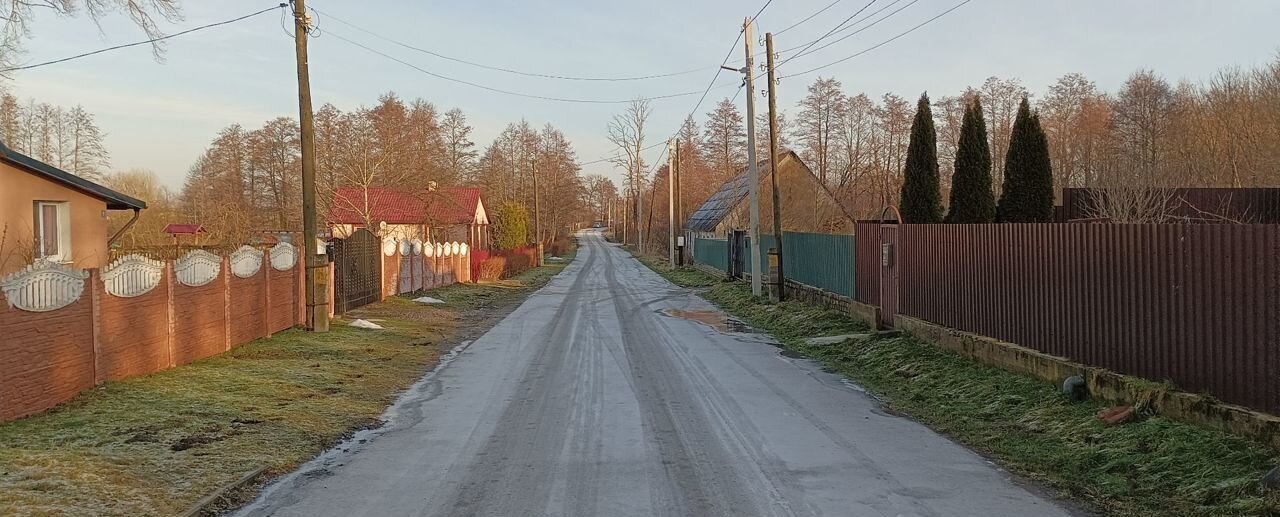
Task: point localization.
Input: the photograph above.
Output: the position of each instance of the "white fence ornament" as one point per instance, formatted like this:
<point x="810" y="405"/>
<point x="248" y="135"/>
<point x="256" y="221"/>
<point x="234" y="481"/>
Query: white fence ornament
<point x="197" y="268"/>
<point x="439" y="250"/>
<point x="405" y="248"/>
<point x="429" y="249"/>
<point x="43" y="286"/>
<point x="417" y="247"/>
<point x="246" y="261"/>
<point x="456" y="248"/>
<point x="132" y="275"/>
<point x="462" y="248"/>
<point x="284" y="256"/>
<point x="388" y="246"/>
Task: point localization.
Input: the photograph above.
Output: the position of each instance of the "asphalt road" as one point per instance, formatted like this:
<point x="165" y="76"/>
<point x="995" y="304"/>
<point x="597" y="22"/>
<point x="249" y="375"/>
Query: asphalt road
<point x="591" y="399"/>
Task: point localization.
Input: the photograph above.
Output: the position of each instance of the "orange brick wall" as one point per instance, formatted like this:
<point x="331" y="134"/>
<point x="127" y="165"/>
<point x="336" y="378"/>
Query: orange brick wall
<point x="284" y="298"/>
<point x="248" y="319"/>
<point x="45" y="357"/>
<point x="199" y="321"/>
<point x="133" y="333"/>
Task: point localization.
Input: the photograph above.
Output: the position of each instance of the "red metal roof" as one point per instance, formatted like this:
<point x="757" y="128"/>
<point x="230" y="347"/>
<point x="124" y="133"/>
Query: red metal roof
<point x="183" y="229"/>
<point x="453" y="205"/>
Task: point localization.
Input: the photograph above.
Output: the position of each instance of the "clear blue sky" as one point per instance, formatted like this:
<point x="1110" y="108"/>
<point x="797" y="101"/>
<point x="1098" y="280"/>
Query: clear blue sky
<point x="161" y="115"/>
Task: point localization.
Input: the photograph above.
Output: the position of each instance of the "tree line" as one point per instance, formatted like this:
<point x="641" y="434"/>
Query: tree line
<point x="67" y="138"/>
<point x="1148" y="136"/>
<point x="248" y="180"/>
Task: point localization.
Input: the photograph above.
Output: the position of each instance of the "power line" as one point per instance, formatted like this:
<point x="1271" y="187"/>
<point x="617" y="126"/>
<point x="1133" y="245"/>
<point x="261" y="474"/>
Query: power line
<point x="503" y="69"/>
<point x="506" y="92"/>
<point x="833" y="29"/>
<point x="854" y="24"/>
<point x="807" y="18"/>
<point x="616" y="156"/>
<point x="882" y="43"/>
<point x="144" y="42"/>
<point x="854" y="33"/>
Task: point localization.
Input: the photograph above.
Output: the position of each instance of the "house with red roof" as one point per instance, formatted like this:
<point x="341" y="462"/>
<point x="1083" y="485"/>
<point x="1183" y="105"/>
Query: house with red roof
<point x="436" y="214"/>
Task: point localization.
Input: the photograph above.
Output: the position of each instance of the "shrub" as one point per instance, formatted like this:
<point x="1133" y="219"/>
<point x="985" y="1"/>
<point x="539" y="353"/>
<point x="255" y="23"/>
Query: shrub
<point x="510" y="226"/>
<point x="492" y="268"/>
<point x="559" y="247"/>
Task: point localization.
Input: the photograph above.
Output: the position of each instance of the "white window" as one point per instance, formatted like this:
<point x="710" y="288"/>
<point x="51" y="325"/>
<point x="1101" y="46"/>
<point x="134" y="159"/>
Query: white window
<point x="53" y="231"/>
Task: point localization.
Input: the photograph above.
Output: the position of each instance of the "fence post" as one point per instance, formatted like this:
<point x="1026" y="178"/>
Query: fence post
<point x="226" y="303"/>
<point x="95" y="311"/>
<point x="173" y="323"/>
<point x="266" y="294"/>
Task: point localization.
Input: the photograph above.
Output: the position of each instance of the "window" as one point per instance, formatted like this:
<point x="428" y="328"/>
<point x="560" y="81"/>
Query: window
<point x="53" y="232"/>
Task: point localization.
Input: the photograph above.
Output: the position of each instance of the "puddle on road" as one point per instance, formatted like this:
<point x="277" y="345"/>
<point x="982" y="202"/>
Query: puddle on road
<point x="713" y="319"/>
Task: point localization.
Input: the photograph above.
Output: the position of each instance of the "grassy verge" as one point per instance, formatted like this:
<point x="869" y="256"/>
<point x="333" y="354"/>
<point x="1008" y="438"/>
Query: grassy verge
<point x="156" y="444"/>
<point x="1151" y="466"/>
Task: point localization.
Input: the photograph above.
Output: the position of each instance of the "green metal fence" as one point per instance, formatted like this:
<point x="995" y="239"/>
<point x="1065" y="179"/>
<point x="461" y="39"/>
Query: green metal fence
<point x="712" y="252"/>
<point x="820" y="260"/>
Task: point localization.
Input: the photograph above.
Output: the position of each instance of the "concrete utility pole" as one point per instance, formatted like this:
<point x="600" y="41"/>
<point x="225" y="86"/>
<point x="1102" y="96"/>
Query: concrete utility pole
<point x="773" y="164"/>
<point x="317" y="270"/>
<point x="753" y="175"/>
<point x="671" y="203"/>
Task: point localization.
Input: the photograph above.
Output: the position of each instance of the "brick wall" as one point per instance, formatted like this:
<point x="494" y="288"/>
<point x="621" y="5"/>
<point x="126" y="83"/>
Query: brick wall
<point x="248" y="299"/>
<point x="45" y="357"/>
<point x="133" y="333"/>
<point x="199" y="321"/>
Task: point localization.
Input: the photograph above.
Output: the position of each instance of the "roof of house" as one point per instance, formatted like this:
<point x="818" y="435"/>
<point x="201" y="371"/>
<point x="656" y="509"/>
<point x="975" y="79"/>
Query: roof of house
<point x="732" y="192"/>
<point x="450" y="205"/>
<point x="115" y="200"/>
<point x="183" y="229"/>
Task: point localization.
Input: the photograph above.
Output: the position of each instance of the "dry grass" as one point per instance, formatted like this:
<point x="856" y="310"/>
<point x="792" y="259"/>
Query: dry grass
<point x="154" y="445"/>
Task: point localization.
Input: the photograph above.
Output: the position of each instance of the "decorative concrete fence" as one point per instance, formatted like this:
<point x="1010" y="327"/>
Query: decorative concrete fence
<point x="412" y="265"/>
<point x="64" y="330"/>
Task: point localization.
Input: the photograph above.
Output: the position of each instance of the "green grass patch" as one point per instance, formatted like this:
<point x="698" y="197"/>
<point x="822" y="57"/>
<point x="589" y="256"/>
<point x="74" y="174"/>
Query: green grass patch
<point x="154" y="445"/>
<point x="1149" y="467"/>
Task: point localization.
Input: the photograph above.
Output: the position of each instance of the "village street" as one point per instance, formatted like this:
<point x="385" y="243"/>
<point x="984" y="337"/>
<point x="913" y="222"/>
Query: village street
<point x="590" y="399"/>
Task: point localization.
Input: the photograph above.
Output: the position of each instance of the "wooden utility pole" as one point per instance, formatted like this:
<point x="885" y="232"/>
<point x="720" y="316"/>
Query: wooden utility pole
<point x="671" y="204"/>
<point x="753" y="175"/>
<point x="773" y="163"/>
<point x="316" y="289"/>
<point x="639" y="221"/>
<point x="537" y="220"/>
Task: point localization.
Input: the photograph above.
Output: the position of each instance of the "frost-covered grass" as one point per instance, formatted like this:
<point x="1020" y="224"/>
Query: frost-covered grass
<point x="156" y="444"/>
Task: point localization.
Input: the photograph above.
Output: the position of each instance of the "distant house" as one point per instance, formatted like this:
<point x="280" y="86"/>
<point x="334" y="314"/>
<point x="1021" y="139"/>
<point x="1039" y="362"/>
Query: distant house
<point x="807" y="205"/>
<point x="48" y="213"/>
<point x="443" y="214"/>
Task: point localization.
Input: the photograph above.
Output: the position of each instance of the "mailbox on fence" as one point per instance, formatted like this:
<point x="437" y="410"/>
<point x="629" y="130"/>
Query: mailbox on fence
<point x="886" y="254"/>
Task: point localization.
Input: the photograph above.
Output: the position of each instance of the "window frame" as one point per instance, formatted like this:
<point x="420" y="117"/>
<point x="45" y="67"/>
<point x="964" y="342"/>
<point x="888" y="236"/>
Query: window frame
<point x="62" y="212"/>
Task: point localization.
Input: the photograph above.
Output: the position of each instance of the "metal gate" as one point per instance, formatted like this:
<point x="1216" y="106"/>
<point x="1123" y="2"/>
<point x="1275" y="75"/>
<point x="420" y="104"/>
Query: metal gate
<point x="737" y="262"/>
<point x="357" y="266"/>
<point x="888" y="274"/>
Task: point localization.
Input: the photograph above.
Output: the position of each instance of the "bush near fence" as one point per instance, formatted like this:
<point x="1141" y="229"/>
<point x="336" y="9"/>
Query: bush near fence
<point x="506" y="264"/>
<point x="63" y="330"/>
<point x="1196" y="305"/>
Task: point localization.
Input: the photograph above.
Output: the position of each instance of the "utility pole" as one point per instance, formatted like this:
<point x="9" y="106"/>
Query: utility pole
<point x="773" y="164"/>
<point x="639" y="220"/>
<point x="671" y="203"/>
<point x="316" y="290"/>
<point x="538" y="222"/>
<point x="753" y="175"/>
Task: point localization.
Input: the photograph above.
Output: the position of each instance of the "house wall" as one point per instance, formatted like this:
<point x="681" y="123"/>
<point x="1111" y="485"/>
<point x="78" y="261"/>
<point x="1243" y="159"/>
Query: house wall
<point x="19" y="190"/>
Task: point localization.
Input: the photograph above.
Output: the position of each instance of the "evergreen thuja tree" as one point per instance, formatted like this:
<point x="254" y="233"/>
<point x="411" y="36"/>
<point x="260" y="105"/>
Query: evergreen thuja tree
<point x="1027" y="196"/>
<point x="921" y="196"/>
<point x="972" y="201"/>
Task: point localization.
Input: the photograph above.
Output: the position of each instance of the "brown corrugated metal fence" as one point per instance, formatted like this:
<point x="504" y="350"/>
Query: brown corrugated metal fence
<point x="866" y="255"/>
<point x="1195" y="304"/>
